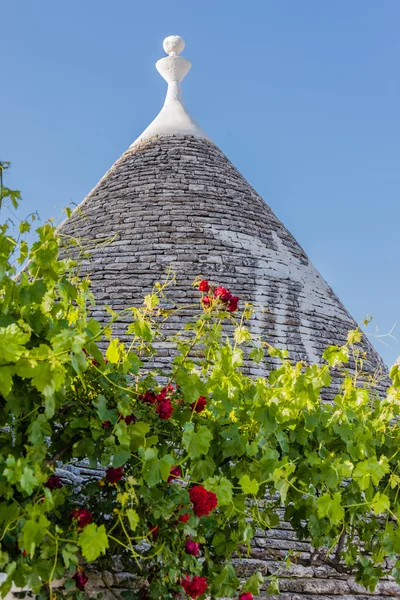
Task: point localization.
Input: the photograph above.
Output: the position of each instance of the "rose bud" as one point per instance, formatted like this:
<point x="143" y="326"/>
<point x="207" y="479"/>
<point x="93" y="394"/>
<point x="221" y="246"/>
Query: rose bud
<point x="53" y="483"/>
<point x="246" y="596"/>
<point x="192" y="547"/>
<point x="114" y="475"/>
<point x="82" y="516"/>
<point x="81" y="580"/>
<point x="175" y="472"/>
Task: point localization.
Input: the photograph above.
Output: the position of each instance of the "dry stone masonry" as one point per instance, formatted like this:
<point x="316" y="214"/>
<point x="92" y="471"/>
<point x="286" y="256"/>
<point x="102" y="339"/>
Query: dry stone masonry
<point x="174" y="200"/>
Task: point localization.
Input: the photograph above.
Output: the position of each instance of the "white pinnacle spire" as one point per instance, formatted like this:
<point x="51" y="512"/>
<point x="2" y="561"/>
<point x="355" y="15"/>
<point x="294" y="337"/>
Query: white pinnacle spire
<point x="173" y="117"/>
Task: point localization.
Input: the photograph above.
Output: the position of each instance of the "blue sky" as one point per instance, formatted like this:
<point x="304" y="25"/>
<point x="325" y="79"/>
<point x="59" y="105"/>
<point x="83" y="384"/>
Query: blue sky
<point x="303" y="97"/>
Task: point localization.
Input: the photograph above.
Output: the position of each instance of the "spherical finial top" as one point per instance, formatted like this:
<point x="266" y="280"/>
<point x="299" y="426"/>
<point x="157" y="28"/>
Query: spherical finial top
<point x="173" y="45"/>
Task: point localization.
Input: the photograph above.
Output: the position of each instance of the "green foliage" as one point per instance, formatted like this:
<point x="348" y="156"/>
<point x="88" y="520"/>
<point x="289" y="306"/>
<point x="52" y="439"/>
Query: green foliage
<point x="259" y="445"/>
<point x="93" y="540"/>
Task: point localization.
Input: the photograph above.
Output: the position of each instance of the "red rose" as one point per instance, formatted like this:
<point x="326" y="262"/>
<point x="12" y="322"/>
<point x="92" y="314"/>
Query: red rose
<point x="223" y="294"/>
<point x="114" y="475"/>
<point x="198" y="497"/>
<point x="206" y="301"/>
<point x="184" y="518"/>
<point x="246" y="596"/>
<point x="203" y="501"/>
<point x="148" y="397"/>
<point x="233" y="304"/>
<point x="53" y="483"/>
<point x="81" y="580"/>
<point x="130" y="419"/>
<point x="204" y="286"/>
<point x="200" y="405"/>
<point x="82" y="516"/>
<point x="174" y="473"/>
<point x="192" y="547"/>
<point x="165" y="409"/>
<point x="196" y="587"/>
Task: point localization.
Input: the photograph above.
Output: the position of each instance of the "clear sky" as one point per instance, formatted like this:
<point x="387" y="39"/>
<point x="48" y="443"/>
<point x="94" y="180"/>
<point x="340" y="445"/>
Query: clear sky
<point x="302" y="96"/>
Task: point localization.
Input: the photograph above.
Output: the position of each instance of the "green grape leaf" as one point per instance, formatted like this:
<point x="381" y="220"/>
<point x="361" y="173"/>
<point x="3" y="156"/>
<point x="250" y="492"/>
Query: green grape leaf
<point x="335" y="355"/>
<point x="12" y="342"/>
<point x="133" y="518"/>
<point x="197" y="442"/>
<point x="202" y="469"/>
<point x="249" y="486"/>
<point x="330" y="507"/>
<point x="28" y="480"/>
<point x="370" y="470"/>
<point x="6" y="380"/>
<point x="257" y="354"/>
<point x="226" y="583"/>
<point x="93" y="540"/>
<point x="115" y="351"/>
<point x="242" y="334"/>
<point x="380" y="503"/>
<point x="222" y="487"/>
<point x="252" y="585"/>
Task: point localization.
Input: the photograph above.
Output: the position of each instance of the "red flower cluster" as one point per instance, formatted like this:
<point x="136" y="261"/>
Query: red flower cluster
<point x="174" y="473"/>
<point x="164" y="407"/>
<point x="82" y="516"/>
<point x="226" y="297"/>
<point x="200" y="405"/>
<point x="196" y="587"/>
<point x="204" y="285"/>
<point x="114" y="475"/>
<point x="192" y="547"/>
<point x="203" y="501"/>
<point x="53" y="483"/>
<point x="221" y="293"/>
<point x="81" y="580"/>
<point x="148" y="397"/>
<point x="246" y="596"/>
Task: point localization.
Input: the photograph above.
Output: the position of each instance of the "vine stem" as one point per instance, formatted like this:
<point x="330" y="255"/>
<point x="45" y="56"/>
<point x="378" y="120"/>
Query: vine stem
<point x="50" y="582"/>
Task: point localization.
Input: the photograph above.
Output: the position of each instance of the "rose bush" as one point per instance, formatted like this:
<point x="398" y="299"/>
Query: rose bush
<point x="194" y="458"/>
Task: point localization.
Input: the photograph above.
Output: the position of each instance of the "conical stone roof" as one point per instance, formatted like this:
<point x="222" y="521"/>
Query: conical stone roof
<point x="174" y="200"/>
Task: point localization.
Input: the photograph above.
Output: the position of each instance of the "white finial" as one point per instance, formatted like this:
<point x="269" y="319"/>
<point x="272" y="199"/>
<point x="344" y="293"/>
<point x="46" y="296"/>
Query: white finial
<point x="173" y="117"/>
<point x="173" y="45"/>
